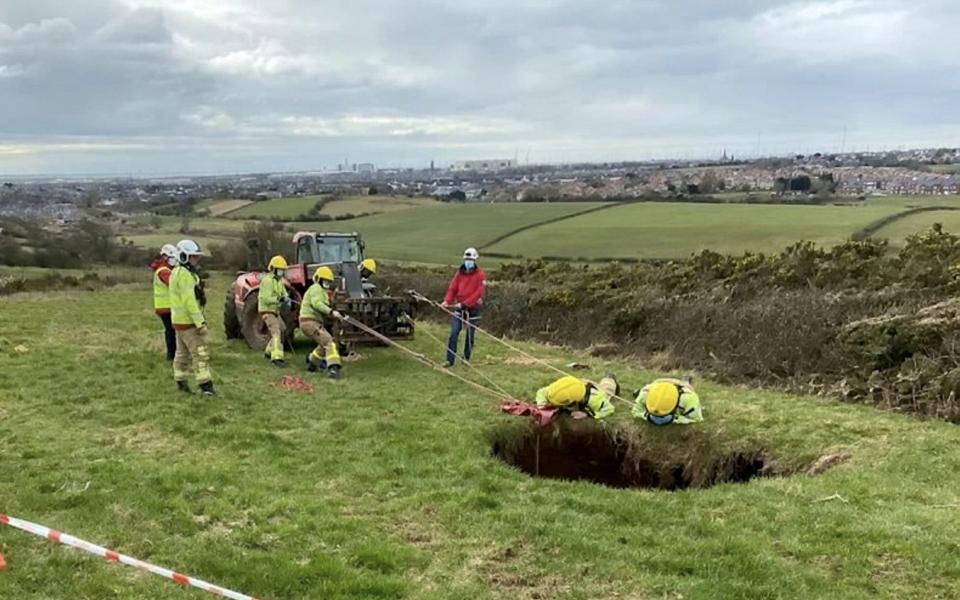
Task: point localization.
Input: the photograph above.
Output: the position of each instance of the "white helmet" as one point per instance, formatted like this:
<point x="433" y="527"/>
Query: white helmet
<point x="188" y="248"/>
<point x="471" y="253"/>
<point x="169" y="250"/>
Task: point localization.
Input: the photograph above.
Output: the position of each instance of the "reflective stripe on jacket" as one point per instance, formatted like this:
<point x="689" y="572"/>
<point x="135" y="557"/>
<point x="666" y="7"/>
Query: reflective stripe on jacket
<point x="316" y="304"/>
<point x="184" y="307"/>
<point x="272" y="291"/>
<point x="575" y="394"/>
<point x="161" y="290"/>
<point x="688" y="410"/>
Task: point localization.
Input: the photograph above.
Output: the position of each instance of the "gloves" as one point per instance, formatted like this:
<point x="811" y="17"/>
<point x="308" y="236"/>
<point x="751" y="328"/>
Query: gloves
<point x="337" y="315"/>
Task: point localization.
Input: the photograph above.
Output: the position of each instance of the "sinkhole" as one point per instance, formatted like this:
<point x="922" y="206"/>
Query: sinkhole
<point x="624" y="458"/>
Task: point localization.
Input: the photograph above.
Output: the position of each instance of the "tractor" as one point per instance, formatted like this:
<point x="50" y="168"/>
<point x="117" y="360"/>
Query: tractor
<point x="343" y="252"/>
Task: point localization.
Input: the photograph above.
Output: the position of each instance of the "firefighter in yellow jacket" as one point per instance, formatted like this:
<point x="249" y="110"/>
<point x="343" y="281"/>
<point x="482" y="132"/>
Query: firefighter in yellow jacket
<point x="313" y="310"/>
<point x="576" y="395"/>
<point x="272" y="296"/>
<point x="668" y="401"/>
<point x="188" y="320"/>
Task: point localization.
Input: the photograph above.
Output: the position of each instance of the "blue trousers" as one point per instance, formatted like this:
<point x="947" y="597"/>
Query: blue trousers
<point x="472" y="316"/>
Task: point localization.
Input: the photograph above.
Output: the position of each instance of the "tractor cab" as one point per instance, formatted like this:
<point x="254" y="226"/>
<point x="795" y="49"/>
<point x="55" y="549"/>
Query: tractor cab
<point x="342" y="252"/>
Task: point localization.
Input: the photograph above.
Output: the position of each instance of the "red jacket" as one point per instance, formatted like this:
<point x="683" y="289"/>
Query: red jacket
<point x="467" y="288"/>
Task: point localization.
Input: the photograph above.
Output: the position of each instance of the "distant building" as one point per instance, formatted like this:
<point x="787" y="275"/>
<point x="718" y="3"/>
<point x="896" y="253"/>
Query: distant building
<point x="495" y="164"/>
<point x="366" y="168"/>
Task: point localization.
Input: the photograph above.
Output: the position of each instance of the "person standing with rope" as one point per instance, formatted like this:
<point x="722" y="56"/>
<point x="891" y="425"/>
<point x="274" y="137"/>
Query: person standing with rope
<point x="314" y="309"/>
<point x="465" y="295"/>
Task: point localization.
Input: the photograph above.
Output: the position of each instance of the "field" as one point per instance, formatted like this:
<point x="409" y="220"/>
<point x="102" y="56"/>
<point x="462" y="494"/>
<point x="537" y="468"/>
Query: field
<point x="289" y="208"/>
<point x="946" y="169"/>
<point x="421" y="230"/>
<point x="676" y="230"/>
<point x="219" y="208"/>
<point x="383" y="485"/>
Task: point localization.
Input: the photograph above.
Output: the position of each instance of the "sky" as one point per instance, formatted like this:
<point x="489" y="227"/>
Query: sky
<point x="147" y="87"/>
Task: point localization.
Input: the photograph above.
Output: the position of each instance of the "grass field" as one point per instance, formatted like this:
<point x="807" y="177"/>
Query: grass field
<point x="898" y="231"/>
<point x="288" y="208"/>
<point x="382" y="485"/>
<point x="676" y="230"/>
<point x="439" y="234"/>
<point x="219" y="208"/>
<point x="946" y="169"/>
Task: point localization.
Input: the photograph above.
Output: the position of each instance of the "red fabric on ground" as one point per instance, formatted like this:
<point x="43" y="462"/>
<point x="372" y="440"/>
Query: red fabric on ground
<point x="540" y="416"/>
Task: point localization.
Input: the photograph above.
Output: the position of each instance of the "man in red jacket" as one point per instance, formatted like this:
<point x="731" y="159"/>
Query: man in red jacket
<point x="465" y="295"/>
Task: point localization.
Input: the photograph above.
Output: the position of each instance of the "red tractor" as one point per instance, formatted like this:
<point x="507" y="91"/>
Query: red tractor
<point x="342" y="252"/>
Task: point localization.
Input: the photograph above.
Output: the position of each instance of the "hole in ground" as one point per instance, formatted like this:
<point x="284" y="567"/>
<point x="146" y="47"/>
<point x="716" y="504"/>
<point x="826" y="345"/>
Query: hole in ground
<point x="583" y="450"/>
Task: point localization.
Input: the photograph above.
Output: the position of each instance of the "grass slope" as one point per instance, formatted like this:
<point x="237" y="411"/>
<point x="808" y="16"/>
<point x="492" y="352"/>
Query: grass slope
<point x="898" y="231"/>
<point x="382" y="485"/>
<point x="288" y="208"/>
<point x="676" y="230"/>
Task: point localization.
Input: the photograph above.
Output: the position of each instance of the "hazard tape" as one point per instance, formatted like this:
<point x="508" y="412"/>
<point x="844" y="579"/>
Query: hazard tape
<point x="69" y="540"/>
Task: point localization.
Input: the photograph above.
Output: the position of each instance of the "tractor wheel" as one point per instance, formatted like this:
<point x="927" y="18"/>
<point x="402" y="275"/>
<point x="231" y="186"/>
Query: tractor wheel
<point x="231" y="324"/>
<point x="254" y="329"/>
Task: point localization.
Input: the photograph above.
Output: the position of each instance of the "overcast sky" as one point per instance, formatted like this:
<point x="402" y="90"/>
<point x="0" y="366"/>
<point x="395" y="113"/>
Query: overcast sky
<point x="191" y="86"/>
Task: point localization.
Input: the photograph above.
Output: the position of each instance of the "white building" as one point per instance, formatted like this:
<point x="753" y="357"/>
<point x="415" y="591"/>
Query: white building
<point x="493" y="164"/>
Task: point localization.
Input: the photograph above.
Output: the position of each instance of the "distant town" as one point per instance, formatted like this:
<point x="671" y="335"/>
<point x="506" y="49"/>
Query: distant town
<point x="800" y="178"/>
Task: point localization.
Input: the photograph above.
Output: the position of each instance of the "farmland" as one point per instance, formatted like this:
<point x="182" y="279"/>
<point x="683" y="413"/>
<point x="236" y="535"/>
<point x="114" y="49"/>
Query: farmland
<point x="290" y="208"/>
<point x="384" y="485"/>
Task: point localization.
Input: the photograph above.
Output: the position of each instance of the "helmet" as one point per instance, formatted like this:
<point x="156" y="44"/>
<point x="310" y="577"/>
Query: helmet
<point x="370" y="265"/>
<point x="471" y="253"/>
<point x="188" y="248"/>
<point x="663" y="397"/>
<point x="277" y="262"/>
<point x="609" y="385"/>
<point x="323" y="274"/>
<point x="566" y="391"/>
<point x="169" y="250"/>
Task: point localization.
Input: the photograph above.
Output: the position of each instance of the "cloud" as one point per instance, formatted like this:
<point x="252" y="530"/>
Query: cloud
<point x="299" y="83"/>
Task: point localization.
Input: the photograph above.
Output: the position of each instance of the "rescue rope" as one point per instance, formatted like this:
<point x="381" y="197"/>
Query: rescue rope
<point x="465" y="361"/>
<point x="418" y="296"/>
<point x="424" y="359"/>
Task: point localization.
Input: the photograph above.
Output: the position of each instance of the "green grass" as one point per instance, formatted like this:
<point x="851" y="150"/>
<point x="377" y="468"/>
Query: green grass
<point x="289" y="208"/>
<point x="912" y="201"/>
<point x="676" y="230"/>
<point x="898" y="231"/>
<point x="946" y="169"/>
<point x="439" y="234"/>
<point x="219" y="208"/>
<point x="382" y="485"/>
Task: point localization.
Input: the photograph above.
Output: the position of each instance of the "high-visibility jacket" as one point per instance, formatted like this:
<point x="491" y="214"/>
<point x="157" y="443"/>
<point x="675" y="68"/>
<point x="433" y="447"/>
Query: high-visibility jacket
<point x="161" y="287"/>
<point x="575" y="394"/>
<point x="272" y="292"/>
<point x="316" y="304"/>
<point x="184" y="306"/>
<point x="688" y="409"/>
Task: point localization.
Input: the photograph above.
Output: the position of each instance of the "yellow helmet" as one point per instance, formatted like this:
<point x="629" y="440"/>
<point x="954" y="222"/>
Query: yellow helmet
<point x="277" y="262"/>
<point x="566" y="391"/>
<point x="662" y="398"/>
<point x="323" y="274"/>
<point x="370" y="265"/>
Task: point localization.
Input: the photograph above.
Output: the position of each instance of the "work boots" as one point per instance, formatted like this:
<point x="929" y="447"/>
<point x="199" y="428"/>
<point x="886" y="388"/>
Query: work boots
<point x="279" y="362"/>
<point x="333" y="371"/>
<point x="183" y="387"/>
<point x="206" y="388"/>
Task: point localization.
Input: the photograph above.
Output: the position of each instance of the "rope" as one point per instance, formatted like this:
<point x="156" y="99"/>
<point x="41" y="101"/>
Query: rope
<point x="466" y="362"/>
<point x="422" y="358"/>
<point x="418" y="296"/>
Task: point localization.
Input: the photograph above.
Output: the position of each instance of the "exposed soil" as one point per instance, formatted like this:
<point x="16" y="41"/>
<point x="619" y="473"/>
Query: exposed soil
<point x="584" y="450"/>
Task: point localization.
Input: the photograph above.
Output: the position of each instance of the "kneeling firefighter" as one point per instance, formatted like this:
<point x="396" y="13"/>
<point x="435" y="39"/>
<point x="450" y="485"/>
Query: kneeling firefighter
<point x="576" y="395"/>
<point x="667" y="401"/>
<point x="273" y="294"/>
<point x="315" y="307"/>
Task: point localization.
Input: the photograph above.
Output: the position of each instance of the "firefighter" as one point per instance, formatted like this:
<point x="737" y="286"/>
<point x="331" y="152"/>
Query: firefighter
<point x="313" y="310"/>
<point x="272" y="296"/>
<point x="368" y="268"/>
<point x="578" y="396"/>
<point x="667" y="401"/>
<point x="188" y="320"/>
<point x="465" y="296"/>
<point x="162" y="268"/>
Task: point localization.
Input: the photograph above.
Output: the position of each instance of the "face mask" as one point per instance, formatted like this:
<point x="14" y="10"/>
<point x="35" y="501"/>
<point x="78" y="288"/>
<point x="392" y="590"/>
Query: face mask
<point x="664" y="420"/>
<point x="469" y="264"/>
<point x="280" y="272"/>
<point x="171" y="261"/>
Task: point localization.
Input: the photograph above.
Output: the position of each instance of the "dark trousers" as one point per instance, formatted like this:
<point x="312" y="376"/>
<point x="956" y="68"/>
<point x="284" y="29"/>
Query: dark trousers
<point x="170" y="335"/>
<point x="472" y="316"/>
